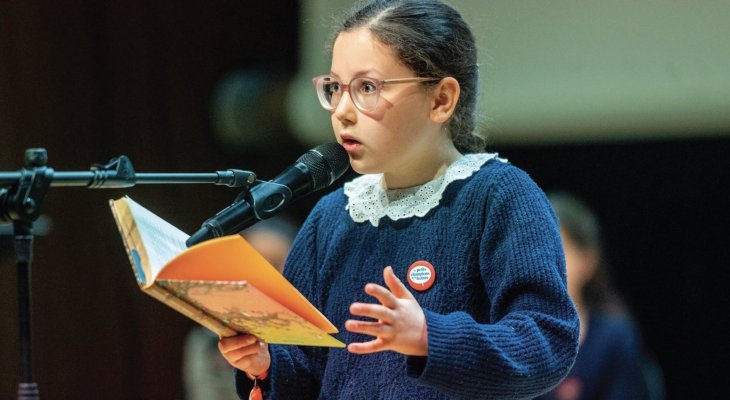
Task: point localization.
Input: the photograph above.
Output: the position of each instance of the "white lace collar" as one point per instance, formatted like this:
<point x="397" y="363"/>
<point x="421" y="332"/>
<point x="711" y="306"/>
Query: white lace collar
<point x="368" y="200"/>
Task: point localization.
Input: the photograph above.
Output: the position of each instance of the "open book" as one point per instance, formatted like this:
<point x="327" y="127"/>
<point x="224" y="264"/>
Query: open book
<point x="223" y="284"/>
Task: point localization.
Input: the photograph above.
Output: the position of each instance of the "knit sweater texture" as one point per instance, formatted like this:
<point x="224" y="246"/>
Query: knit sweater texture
<point x="500" y="322"/>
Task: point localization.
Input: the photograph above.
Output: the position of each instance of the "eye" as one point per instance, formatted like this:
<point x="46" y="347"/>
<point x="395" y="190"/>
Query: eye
<point x="331" y="87"/>
<point x="367" y="87"/>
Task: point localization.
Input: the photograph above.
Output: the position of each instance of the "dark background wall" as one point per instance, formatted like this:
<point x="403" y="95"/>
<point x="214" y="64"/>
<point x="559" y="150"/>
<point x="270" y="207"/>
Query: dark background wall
<point x="93" y="80"/>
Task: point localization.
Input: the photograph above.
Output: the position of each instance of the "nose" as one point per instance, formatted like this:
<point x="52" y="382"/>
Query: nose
<point x="345" y="109"/>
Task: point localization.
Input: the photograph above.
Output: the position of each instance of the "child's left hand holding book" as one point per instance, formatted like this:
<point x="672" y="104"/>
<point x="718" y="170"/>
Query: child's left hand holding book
<point x="247" y="353"/>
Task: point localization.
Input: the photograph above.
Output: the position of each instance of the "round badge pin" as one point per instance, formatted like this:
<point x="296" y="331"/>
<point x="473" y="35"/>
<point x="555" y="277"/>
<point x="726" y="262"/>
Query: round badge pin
<point x="421" y="275"/>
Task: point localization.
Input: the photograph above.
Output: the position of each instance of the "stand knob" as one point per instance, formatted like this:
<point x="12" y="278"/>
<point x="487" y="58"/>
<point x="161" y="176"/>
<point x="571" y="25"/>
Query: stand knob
<point x="37" y="157"/>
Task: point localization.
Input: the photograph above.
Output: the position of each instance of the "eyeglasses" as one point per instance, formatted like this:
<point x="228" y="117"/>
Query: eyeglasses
<point x="365" y="92"/>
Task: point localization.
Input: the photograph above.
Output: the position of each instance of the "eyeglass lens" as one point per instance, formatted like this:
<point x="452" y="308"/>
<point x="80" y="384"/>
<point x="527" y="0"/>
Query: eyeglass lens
<point x="363" y="91"/>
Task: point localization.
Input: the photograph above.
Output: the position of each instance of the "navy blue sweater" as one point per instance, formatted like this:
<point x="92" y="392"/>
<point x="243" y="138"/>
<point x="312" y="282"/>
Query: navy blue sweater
<point x="499" y="319"/>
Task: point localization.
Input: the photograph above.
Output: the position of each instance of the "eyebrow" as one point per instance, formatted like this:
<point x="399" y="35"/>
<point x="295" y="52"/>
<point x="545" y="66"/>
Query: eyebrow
<point x="358" y="74"/>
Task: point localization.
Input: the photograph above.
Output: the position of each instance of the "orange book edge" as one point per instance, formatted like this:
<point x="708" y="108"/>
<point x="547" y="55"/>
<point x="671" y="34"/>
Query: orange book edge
<point x="232" y="258"/>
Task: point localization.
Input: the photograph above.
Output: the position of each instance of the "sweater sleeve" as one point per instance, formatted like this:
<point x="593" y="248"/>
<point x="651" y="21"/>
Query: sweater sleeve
<point x="531" y="339"/>
<point x="295" y="371"/>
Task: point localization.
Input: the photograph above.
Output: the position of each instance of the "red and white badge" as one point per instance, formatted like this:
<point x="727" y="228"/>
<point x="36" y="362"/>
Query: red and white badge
<point x="421" y="275"/>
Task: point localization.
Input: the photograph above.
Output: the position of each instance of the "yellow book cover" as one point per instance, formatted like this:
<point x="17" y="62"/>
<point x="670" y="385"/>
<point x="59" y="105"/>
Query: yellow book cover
<point x="223" y="284"/>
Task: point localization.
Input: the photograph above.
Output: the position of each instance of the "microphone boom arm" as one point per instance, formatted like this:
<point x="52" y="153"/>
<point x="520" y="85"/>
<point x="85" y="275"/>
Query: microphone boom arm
<point x="21" y="195"/>
<point x="119" y="173"/>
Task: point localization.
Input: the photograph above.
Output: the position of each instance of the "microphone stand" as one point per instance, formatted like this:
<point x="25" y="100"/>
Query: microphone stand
<point x="21" y="196"/>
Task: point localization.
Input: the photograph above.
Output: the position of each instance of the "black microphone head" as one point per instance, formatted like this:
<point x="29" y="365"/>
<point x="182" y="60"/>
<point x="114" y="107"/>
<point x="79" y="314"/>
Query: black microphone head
<point x="326" y="162"/>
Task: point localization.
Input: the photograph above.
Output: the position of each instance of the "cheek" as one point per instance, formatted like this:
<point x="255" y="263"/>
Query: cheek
<point x="413" y="121"/>
<point x="402" y="126"/>
<point x="335" y="126"/>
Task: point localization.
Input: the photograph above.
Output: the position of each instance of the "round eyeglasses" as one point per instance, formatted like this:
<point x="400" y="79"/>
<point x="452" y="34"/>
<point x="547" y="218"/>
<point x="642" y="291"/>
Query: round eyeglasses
<point x="364" y="92"/>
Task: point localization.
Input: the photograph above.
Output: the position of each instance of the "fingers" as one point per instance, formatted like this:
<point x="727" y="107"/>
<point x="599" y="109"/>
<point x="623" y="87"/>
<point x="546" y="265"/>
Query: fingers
<point x="396" y="289"/>
<point x="383" y="295"/>
<point x="371" y="328"/>
<point x="367" y="347"/>
<point x="235" y="342"/>
<point x="374" y="311"/>
<point x="388" y="298"/>
<point x="395" y="285"/>
<point x="237" y="347"/>
<point x="391" y="317"/>
<point x="246" y="352"/>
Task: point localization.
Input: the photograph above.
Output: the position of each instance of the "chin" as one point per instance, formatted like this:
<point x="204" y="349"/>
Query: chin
<point x="363" y="167"/>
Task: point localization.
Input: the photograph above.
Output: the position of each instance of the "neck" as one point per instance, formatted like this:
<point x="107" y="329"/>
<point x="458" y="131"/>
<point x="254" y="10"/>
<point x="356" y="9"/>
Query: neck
<point x="426" y="168"/>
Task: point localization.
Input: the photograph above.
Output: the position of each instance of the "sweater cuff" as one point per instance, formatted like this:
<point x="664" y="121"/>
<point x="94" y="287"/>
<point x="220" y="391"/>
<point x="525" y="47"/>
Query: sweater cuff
<point x="243" y="384"/>
<point x="281" y="367"/>
<point x="280" y="361"/>
<point x="443" y="364"/>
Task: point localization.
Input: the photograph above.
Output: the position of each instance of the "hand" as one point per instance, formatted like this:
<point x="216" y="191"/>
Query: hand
<point x="246" y="353"/>
<point x="401" y="323"/>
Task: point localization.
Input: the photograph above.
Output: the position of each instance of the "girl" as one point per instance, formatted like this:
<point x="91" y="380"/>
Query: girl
<point x="474" y="303"/>
<point x="612" y="363"/>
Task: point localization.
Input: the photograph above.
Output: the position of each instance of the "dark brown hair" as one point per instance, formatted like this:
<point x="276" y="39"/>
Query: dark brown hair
<point x="433" y="40"/>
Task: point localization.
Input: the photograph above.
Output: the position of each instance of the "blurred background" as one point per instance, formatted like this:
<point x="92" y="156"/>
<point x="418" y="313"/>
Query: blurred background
<point x="624" y="103"/>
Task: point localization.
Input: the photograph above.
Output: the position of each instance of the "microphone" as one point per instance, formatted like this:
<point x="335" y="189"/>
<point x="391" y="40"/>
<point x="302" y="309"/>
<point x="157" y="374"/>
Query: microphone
<point x="314" y="170"/>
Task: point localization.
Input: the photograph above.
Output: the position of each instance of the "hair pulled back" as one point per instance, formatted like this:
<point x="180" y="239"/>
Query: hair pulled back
<point x="433" y="40"/>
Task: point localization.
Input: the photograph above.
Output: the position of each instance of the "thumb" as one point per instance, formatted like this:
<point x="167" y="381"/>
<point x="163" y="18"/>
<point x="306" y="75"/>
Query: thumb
<point x="395" y="285"/>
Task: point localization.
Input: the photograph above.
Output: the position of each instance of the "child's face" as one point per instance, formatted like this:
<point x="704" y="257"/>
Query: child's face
<point x="580" y="265"/>
<point x="398" y="134"/>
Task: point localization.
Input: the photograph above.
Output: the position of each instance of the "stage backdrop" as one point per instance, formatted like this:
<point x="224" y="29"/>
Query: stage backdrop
<point x="204" y="86"/>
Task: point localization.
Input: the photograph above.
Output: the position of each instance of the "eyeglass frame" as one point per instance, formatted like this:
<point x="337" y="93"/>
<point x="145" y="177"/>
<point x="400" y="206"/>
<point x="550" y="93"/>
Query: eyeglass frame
<point x="345" y="87"/>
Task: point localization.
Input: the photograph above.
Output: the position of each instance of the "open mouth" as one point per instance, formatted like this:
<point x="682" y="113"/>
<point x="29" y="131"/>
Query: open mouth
<point x="350" y="144"/>
<point x="348" y="139"/>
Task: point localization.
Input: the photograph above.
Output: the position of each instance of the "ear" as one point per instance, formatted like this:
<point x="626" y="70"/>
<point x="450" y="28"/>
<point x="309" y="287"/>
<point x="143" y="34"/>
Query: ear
<point x="445" y="96"/>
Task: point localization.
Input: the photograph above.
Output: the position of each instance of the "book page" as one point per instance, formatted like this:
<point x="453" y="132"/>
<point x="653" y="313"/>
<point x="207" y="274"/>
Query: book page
<point x="191" y="311"/>
<point x="162" y="241"/>
<point x="246" y="309"/>
<point x="130" y="237"/>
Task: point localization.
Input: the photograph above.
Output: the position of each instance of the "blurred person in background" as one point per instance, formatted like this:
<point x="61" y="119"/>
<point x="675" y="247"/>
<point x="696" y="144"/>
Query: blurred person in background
<point x="611" y="363"/>
<point x="206" y="374"/>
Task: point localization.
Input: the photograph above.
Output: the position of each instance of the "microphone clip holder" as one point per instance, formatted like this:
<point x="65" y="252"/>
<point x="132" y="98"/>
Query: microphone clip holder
<point x="117" y="173"/>
<point x="20" y="202"/>
<point x="21" y="195"/>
